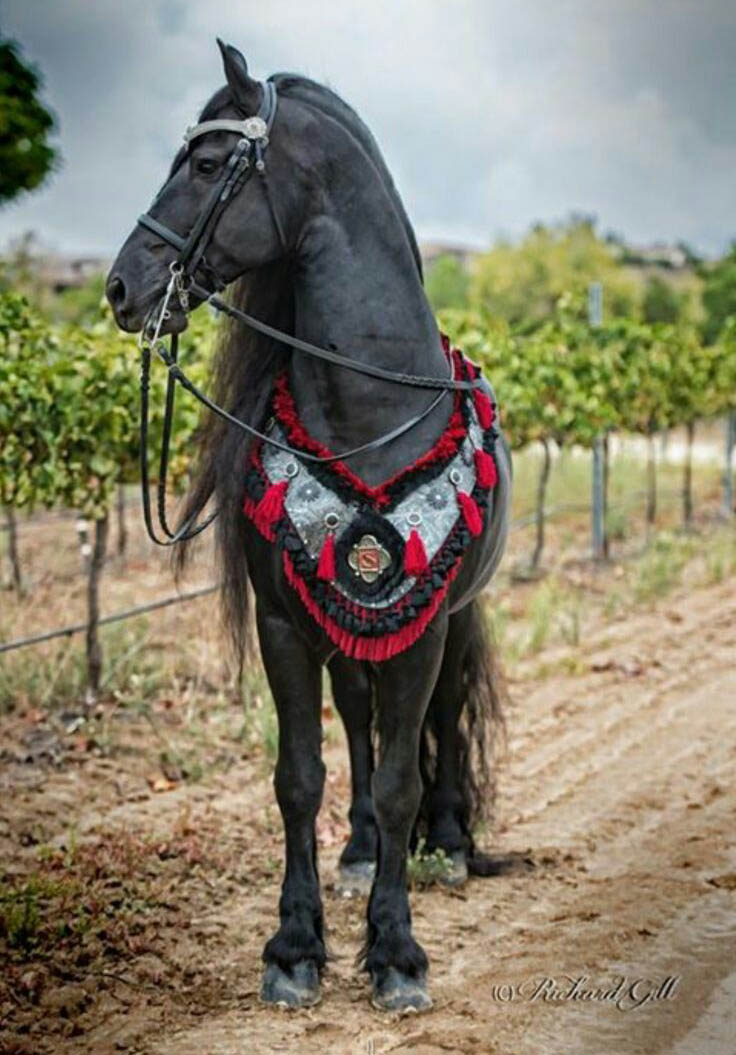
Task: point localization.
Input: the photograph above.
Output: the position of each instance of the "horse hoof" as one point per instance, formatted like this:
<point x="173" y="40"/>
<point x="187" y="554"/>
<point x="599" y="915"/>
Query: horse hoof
<point x="297" y="988"/>
<point x="355" y="880"/>
<point x="458" y="871"/>
<point x="396" y="991"/>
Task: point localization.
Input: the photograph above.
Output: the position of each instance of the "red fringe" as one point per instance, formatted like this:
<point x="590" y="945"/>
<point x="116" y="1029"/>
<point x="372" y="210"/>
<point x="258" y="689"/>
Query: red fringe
<point x="483" y="408"/>
<point x="471" y="513"/>
<point x="415" y="555"/>
<point x="445" y="448"/>
<point x="485" y="469"/>
<point x="249" y="508"/>
<point x="374" y="649"/>
<point x="270" y="509"/>
<point x="326" y="566"/>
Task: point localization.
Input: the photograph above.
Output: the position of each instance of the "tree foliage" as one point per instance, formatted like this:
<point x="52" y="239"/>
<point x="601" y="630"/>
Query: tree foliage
<point x="719" y="295"/>
<point x="447" y="283"/>
<point x="523" y="283"/>
<point x="567" y="381"/>
<point x="26" y="158"/>
<point x="69" y="405"/>
<point x="660" y="303"/>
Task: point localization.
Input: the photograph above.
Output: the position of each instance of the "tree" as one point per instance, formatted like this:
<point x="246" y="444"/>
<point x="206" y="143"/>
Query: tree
<point x="26" y="158"/>
<point x="447" y="283"/>
<point x="660" y="303"/>
<point x="719" y="295"/>
<point x="523" y="283"/>
<point x="69" y="424"/>
<point x="553" y="385"/>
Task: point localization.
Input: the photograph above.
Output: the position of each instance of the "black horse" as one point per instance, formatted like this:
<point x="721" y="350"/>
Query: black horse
<point x="323" y="251"/>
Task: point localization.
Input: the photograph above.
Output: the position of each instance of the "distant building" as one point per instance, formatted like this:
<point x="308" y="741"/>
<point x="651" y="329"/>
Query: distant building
<point x="430" y="252"/>
<point x="59" y="273"/>
<point x="670" y="257"/>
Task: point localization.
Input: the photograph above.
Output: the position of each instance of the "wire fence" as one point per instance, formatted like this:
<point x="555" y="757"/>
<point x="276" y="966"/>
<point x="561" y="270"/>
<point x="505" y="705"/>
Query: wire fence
<point x="115" y="617"/>
<point x="526" y="520"/>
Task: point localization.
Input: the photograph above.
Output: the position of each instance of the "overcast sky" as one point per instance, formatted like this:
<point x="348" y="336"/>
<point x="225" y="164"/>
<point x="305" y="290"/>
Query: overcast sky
<point x="491" y="113"/>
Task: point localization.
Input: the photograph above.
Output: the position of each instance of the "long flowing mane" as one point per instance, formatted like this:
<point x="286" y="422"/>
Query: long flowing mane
<point x="246" y="363"/>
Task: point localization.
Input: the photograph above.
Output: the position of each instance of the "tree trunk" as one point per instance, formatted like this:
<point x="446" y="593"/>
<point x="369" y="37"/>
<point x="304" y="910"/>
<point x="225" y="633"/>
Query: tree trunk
<point x="541" y="493"/>
<point x="94" y="649"/>
<point x="651" y="481"/>
<point x="687" y="478"/>
<point x="606" y="472"/>
<point x="122" y="522"/>
<point x="12" y="533"/>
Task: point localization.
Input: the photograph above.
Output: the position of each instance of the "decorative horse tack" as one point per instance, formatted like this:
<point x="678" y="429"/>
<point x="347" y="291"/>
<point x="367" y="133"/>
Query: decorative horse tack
<point x="372" y="564"/>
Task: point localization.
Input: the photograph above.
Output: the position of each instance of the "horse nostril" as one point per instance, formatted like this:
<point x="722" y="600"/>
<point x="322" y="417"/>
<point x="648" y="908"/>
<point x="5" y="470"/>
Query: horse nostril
<point x="116" y="291"/>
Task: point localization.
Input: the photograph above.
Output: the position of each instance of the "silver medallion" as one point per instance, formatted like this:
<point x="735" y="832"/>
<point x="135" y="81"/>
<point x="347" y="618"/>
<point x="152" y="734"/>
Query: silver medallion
<point x="254" y="127"/>
<point x="368" y="558"/>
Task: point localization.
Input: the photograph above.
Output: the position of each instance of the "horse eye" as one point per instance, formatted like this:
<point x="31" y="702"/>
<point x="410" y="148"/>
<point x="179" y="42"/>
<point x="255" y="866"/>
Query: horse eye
<point x="206" y="166"/>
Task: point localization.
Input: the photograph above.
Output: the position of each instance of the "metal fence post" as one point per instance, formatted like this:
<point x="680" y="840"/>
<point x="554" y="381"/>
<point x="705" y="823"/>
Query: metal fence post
<point x="728" y="467"/>
<point x="595" y="317"/>
<point x="597" y="508"/>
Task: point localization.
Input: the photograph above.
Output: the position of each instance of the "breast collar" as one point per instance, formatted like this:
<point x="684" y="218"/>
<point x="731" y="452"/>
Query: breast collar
<point x="372" y="564"/>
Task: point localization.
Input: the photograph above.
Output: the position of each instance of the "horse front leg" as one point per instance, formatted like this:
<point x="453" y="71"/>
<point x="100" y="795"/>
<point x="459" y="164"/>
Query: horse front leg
<point x="295" y="955"/>
<point x="353" y="694"/>
<point x="395" y="960"/>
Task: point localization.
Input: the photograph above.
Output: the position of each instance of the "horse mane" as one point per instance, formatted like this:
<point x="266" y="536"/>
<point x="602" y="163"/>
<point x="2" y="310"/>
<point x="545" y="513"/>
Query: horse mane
<point x="245" y="365"/>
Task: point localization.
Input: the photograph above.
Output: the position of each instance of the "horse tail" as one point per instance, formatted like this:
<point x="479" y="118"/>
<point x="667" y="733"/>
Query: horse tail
<point x="471" y="682"/>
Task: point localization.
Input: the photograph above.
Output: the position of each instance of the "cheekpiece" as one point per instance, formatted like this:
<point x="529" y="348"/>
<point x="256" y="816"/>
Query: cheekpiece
<point x="372" y="565"/>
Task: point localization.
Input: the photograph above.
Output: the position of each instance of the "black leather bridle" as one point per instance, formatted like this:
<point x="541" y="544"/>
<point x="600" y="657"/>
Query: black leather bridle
<point x="246" y="158"/>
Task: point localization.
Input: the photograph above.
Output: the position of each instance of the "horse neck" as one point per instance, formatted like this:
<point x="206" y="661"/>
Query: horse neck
<point x="358" y="291"/>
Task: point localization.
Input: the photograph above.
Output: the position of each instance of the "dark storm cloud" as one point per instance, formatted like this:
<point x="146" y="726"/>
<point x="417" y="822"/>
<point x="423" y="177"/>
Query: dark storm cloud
<point x="491" y="114"/>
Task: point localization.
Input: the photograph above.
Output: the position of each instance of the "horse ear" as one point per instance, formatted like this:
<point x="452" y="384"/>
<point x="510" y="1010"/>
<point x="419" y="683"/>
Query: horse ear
<point x="245" y="90"/>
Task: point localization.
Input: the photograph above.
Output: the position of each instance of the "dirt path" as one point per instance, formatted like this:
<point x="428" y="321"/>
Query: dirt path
<point x="619" y="783"/>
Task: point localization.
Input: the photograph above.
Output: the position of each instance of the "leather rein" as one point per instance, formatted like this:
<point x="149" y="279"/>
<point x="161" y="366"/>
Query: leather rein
<point x="246" y="157"/>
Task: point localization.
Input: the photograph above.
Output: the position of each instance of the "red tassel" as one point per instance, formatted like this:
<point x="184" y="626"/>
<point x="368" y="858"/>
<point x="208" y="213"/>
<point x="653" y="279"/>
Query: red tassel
<point x="473" y="519"/>
<point x="483" y="408"/>
<point x="271" y="506"/>
<point x="326" y="566"/>
<point x="485" y="469"/>
<point x="415" y="555"/>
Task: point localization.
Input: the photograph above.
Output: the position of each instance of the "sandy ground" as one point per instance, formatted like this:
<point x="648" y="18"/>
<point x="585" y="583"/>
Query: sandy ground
<point x="618" y="783"/>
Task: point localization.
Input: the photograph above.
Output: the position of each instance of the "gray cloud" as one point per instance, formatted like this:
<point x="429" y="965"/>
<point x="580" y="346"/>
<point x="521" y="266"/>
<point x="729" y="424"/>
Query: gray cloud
<point x="491" y="114"/>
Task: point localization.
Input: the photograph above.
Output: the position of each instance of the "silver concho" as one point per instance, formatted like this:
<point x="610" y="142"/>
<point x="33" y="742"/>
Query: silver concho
<point x="368" y="558"/>
<point x="254" y="127"/>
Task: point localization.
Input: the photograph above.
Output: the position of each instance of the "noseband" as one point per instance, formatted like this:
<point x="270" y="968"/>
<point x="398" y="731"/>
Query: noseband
<point x="246" y="157"/>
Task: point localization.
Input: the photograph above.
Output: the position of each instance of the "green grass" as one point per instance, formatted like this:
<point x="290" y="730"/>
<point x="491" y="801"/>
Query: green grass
<point x="55" y="675"/>
<point x="570" y="483"/>
<point x="555" y="612"/>
<point x="720" y="556"/>
<point x="661" y="568"/>
<point x="426" y="869"/>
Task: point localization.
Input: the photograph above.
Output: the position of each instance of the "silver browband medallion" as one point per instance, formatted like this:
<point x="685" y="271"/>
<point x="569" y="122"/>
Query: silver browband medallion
<point x="251" y="128"/>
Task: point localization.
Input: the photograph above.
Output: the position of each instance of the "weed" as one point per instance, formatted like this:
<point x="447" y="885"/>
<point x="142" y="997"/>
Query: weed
<point x="661" y="569"/>
<point x="570" y="619"/>
<point x="617" y="525"/>
<point x="499" y="616"/>
<point x="56" y="676"/>
<point x="19" y="917"/>
<point x="613" y="604"/>
<point x="720" y="557"/>
<point x="541" y="610"/>
<point x="425" y="869"/>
